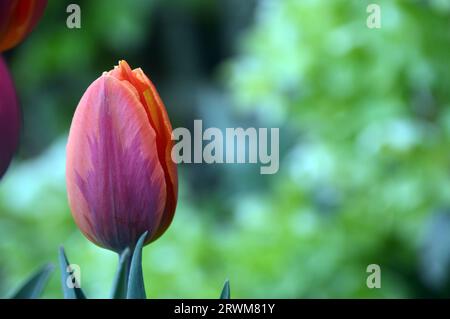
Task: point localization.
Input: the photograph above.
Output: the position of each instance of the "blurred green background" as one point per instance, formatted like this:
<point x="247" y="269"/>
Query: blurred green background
<point x="364" y="118"/>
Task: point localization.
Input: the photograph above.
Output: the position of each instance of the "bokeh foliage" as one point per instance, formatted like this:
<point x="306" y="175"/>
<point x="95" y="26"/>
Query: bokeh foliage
<point x="364" y="117"/>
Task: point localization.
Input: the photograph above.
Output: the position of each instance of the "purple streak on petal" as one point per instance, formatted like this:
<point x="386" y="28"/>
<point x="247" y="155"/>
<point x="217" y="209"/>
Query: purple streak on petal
<point x="123" y="190"/>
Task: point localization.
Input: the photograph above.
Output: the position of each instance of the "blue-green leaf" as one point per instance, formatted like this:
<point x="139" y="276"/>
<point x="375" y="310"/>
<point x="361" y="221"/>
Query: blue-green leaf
<point x="71" y="288"/>
<point x="33" y="287"/>
<point x="225" y="291"/>
<point x="120" y="285"/>
<point x="136" y="289"/>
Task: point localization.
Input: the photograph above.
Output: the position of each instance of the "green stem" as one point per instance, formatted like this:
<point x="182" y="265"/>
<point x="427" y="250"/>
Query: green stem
<point x="120" y="285"/>
<point x="136" y="288"/>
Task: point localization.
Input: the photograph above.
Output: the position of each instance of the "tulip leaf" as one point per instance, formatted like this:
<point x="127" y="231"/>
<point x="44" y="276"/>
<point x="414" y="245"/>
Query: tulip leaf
<point x="120" y="285"/>
<point x="32" y="288"/>
<point x="226" y="291"/>
<point x="136" y="289"/>
<point x="71" y="287"/>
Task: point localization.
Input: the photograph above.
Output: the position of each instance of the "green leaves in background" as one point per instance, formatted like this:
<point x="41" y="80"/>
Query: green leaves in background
<point x="67" y="274"/>
<point x="226" y="291"/>
<point x="120" y="285"/>
<point x="136" y="289"/>
<point x="34" y="286"/>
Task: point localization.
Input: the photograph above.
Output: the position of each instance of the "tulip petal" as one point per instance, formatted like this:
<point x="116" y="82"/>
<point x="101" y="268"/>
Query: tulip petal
<point x="159" y="120"/>
<point x="18" y="19"/>
<point x="9" y="118"/>
<point x="116" y="184"/>
<point x="165" y="129"/>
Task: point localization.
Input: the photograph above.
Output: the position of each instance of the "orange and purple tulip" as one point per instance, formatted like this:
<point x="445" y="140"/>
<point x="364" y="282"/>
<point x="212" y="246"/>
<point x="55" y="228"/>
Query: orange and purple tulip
<point x="9" y="118"/>
<point x="121" y="180"/>
<point x="17" y="19"/>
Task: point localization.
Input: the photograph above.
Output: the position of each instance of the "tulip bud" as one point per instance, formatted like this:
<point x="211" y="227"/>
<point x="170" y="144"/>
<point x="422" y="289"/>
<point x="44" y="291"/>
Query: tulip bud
<point x="17" y="19"/>
<point x="121" y="180"/>
<point x="9" y="118"/>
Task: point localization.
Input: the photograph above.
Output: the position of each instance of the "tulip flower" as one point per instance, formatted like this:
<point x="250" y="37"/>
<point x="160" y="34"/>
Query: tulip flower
<point x="17" y="19"/>
<point x="121" y="180"/>
<point x="9" y="118"/>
